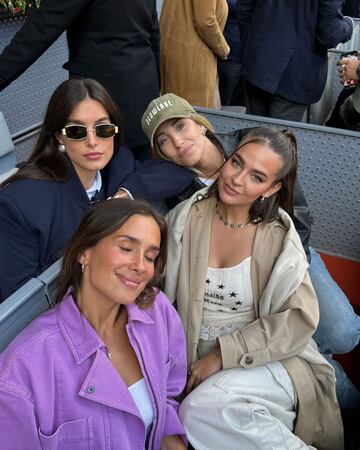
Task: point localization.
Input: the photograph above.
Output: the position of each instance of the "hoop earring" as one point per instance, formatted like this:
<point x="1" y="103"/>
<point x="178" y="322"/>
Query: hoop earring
<point x="62" y="148"/>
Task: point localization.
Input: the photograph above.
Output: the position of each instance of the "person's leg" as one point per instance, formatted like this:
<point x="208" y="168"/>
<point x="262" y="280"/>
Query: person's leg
<point x="280" y="108"/>
<point x="250" y="409"/>
<point x="347" y="394"/>
<point x="256" y="100"/>
<point x="338" y="330"/>
<point x="339" y="327"/>
<point x="229" y="75"/>
<point x="239" y="94"/>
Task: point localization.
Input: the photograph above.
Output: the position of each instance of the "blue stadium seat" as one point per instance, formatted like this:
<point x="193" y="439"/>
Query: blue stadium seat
<point x="48" y="278"/>
<point x="20" y="309"/>
<point x="7" y="155"/>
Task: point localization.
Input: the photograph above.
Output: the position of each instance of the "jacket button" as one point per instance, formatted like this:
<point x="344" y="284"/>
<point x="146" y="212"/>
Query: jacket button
<point x="90" y="389"/>
<point x="249" y="360"/>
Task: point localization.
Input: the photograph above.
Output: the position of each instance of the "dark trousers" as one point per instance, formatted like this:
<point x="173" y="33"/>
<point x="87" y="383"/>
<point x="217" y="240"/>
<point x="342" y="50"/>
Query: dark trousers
<point x="230" y="83"/>
<point x="262" y="103"/>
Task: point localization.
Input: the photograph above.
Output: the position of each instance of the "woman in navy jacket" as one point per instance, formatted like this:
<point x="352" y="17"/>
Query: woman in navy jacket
<point x="76" y="161"/>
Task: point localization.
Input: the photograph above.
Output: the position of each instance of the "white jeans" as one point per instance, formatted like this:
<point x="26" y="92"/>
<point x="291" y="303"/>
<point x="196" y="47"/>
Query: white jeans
<point x="243" y="409"/>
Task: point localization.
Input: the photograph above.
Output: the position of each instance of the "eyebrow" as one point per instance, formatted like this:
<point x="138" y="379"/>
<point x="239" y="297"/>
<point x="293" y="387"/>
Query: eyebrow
<point x="136" y="241"/>
<point x="258" y="172"/>
<point x="173" y="122"/>
<point x="80" y="122"/>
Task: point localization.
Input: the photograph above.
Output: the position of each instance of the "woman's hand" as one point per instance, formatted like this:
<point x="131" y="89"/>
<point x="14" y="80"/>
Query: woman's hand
<point x="121" y="193"/>
<point x="172" y="443"/>
<point x="204" y="368"/>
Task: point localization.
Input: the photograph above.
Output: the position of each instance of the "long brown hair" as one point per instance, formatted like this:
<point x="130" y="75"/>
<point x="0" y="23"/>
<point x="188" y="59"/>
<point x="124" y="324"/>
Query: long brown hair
<point x="283" y="143"/>
<point x="100" y="221"/>
<point x="46" y="162"/>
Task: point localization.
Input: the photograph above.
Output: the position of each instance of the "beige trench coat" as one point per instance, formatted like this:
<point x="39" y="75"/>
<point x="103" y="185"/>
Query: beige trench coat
<point x="282" y="331"/>
<point x="191" y="40"/>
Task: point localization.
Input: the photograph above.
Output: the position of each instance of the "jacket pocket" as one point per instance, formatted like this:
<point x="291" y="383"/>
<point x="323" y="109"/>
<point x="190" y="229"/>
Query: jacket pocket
<point x="69" y="435"/>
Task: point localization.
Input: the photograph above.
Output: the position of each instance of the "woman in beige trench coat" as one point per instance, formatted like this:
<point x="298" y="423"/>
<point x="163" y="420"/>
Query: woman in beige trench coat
<point x="191" y="41"/>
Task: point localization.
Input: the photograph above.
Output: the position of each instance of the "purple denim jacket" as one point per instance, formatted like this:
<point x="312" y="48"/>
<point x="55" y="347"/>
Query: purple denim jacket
<point x="59" y="390"/>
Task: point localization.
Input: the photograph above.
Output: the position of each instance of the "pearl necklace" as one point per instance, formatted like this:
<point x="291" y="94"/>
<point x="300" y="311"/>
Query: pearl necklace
<point x="232" y="225"/>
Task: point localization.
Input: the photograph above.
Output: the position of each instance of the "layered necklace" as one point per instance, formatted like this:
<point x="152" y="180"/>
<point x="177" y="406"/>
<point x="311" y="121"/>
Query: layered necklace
<point x="240" y="225"/>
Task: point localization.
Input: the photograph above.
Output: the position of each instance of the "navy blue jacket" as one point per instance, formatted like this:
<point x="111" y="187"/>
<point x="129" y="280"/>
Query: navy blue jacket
<point x="38" y="217"/>
<point x="115" y="42"/>
<point x="232" y="33"/>
<point x="284" y="44"/>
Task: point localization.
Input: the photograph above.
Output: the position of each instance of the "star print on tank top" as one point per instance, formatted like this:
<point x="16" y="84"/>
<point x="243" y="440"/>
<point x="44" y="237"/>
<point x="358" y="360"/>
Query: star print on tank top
<point x="228" y="303"/>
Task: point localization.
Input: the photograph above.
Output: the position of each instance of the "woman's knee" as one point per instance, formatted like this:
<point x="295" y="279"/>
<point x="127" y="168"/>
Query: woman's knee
<point x="339" y="326"/>
<point x="339" y="337"/>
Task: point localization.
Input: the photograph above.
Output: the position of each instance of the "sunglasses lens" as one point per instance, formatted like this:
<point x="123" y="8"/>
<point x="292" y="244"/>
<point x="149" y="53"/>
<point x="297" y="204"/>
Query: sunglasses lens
<point x="76" y="132"/>
<point x="105" y="130"/>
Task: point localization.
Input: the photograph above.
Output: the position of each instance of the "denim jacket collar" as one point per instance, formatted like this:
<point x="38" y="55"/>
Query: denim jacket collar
<point x="79" y="335"/>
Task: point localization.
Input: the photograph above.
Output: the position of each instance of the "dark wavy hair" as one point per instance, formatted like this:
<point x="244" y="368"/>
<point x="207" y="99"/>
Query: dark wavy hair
<point x="283" y="143"/>
<point x="46" y="162"/>
<point x="100" y="221"/>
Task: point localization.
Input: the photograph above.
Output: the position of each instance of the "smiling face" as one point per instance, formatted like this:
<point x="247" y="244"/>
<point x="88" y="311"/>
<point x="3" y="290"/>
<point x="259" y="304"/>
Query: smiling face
<point x="251" y="172"/>
<point x="92" y="153"/>
<point x="119" y="266"/>
<point x="182" y="141"/>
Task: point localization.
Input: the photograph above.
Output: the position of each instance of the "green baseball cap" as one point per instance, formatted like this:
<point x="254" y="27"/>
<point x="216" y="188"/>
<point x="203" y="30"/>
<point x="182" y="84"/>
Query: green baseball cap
<point x="161" y="109"/>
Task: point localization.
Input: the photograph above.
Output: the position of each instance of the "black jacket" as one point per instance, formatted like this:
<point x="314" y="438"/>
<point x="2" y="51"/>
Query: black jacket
<point x="115" y="42"/>
<point x="284" y="44"/>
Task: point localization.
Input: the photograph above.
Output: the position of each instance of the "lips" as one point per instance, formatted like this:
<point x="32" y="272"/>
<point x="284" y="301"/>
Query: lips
<point x="183" y="152"/>
<point x="93" y="155"/>
<point x="229" y="190"/>
<point x="129" y="282"/>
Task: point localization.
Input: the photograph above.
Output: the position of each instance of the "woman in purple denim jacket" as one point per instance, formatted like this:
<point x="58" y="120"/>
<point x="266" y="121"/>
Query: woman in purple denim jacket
<point x="101" y="369"/>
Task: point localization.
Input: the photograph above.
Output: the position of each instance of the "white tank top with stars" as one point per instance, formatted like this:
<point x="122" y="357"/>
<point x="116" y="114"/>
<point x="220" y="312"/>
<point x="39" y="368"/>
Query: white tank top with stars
<point x="228" y="303"/>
